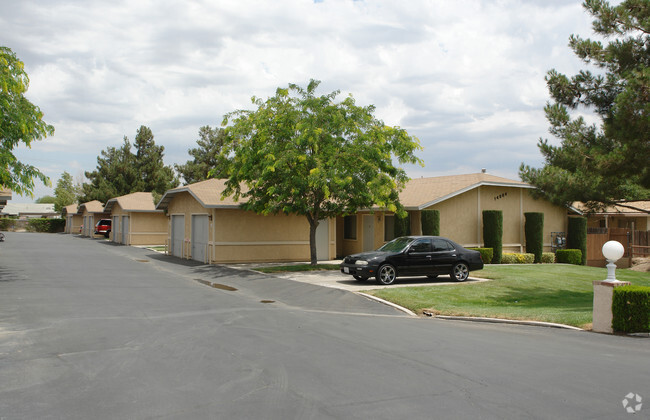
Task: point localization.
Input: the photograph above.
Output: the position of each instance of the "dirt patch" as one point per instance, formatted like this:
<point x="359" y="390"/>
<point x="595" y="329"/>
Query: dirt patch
<point x="641" y="264"/>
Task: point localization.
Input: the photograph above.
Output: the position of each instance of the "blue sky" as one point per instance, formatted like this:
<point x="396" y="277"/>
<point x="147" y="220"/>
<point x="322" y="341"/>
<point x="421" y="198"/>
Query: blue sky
<point x="465" y="77"/>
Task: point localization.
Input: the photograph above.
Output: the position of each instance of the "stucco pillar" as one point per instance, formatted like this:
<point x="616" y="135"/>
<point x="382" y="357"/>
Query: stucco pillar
<point x="602" y="312"/>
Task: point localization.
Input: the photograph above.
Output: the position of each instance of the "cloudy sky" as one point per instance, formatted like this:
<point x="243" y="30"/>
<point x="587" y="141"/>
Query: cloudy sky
<point x="466" y="77"/>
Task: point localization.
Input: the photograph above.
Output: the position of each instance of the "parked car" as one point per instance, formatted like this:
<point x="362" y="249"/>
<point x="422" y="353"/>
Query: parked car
<point x="413" y="256"/>
<point x="103" y="227"/>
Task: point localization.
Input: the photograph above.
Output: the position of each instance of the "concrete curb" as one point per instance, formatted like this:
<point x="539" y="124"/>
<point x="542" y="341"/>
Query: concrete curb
<point x="505" y="321"/>
<point x="391" y="304"/>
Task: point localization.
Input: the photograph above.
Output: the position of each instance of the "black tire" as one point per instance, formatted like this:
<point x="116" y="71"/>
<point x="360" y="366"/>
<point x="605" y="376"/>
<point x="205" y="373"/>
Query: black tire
<point x="360" y="278"/>
<point x="459" y="272"/>
<point x="386" y="274"/>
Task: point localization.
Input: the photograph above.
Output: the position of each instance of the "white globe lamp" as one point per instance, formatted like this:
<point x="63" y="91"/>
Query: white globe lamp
<point x="612" y="251"/>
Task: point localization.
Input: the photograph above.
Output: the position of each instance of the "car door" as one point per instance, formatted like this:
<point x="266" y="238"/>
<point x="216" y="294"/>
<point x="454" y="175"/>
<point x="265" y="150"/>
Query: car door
<point x="418" y="258"/>
<point x="443" y="257"/>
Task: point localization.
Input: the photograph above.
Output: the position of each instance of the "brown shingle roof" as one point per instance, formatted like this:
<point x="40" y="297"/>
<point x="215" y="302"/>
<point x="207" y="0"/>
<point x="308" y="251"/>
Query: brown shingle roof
<point x="91" y="207"/>
<point x="71" y="209"/>
<point x="207" y="192"/>
<point x="420" y="193"/>
<point x="137" y="201"/>
<point x="642" y="206"/>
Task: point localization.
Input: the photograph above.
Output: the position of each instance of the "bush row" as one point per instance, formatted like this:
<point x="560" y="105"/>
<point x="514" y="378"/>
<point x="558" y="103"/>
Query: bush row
<point x="569" y="256"/>
<point x="46" y="225"/>
<point x="515" y="258"/>
<point x="631" y="309"/>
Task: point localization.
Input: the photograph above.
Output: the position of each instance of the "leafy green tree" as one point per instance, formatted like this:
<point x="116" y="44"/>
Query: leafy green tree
<point x="120" y="172"/>
<point x="20" y="122"/>
<point x="46" y="199"/>
<point x="606" y="164"/>
<point x="153" y="174"/>
<point x="66" y="192"/>
<point x="299" y="153"/>
<point x="207" y="157"/>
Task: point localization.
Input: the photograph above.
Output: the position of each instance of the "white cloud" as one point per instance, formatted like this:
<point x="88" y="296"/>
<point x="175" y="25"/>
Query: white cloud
<point x="466" y="77"/>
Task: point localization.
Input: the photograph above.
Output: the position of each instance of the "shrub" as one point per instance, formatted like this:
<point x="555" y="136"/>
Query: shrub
<point x="493" y="233"/>
<point x="548" y="258"/>
<point x="516" y="258"/>
<point x="534" y="230"/>
<point x="46" y="225"/>
<point x="430" y="222"/>
<point x="7" y="223"/>
<point x="631" y="309"/>
<point x="577" y="236"/>
<point x="486" y="254"/>
<point x="569" y="256"/>
<point x="402" y="225"/>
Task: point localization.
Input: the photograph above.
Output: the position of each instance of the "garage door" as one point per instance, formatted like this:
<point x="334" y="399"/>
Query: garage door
<point x="178" y="235"/>
<point x="125" y="230"/>
<point x="115" y="229"/>
<point x="200" y="233"/>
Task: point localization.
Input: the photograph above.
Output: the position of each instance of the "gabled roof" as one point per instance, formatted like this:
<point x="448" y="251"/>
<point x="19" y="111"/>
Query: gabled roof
<point x="420" y="193"/>
<point x="91" y="207"/>
<point x="134" y="202"/>
<point x="15" y="209"/>
<point x="642" y="206"/>
<point x="71" y="209"/>
<point x="207" y="192"/>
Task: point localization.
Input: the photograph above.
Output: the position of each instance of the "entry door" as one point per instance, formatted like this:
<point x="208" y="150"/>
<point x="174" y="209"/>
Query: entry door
<point x="323" y="241"/>
<point x="125" y="230"/>
<point x="115" y="229"/>
<point x="368" y="233"/>
<point x="200" y="233"/>
<point x="178" y="235"/>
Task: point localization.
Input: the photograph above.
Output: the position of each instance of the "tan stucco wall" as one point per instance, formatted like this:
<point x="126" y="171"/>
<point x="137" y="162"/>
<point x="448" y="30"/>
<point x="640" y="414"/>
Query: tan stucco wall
<point x="461" y="219"/>
<point x="73" y="223"/>
<point x="242" y="236"/>
<point x="619" y="221"/>
<point x="147" y="228"/>
<point x="353" y="246"/>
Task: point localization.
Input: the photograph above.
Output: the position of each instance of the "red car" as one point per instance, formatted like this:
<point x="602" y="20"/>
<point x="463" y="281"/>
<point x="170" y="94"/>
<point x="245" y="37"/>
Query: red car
<point x="103" y="227"/>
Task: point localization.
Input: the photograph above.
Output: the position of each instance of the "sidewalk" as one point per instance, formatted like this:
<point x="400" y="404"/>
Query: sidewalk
<point x="336" y="279"/>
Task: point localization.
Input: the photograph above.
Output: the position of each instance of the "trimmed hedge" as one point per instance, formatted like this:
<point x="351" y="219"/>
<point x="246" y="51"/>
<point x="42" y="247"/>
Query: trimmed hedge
<point x="402" y="225"/>
<point x="548" y="257"/>
<point x="7" y="223"/>
<point x="46" y="225"/>
<point x="493" y="233"/>
<point x="534" y="230"/>
<point x="577" y="236"/>
<point x="516" y="258"/>
<point x="569" y="256"/>
<point x="631" y="309"/>
<point x="486" y="254"/>
<point x="430" y="222"/>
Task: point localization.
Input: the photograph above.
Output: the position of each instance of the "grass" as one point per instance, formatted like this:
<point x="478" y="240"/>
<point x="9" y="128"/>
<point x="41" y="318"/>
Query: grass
<point x="551" y="293"/>
<point x="297" y="267"/>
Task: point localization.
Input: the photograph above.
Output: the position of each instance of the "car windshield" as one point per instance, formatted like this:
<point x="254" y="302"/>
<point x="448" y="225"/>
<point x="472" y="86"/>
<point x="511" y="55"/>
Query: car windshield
<point x="396" y="245"/>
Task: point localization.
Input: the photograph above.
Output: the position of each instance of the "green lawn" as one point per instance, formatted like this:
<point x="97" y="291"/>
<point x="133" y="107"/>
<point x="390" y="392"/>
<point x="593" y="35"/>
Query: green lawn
<point x="543" y="292"/>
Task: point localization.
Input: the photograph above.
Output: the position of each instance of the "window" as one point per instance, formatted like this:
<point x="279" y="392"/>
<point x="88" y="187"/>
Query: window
<point x="389" y="228"/>
<point x="441" y="245"/>
<point x="350" y="227"/>
<point x="422" y="245"/>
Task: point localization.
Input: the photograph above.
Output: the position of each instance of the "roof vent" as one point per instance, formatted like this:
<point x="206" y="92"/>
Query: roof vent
<point x="483" y="170"/>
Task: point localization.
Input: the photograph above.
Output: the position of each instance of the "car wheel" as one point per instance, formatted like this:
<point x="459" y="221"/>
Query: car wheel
<point x="360" y="278"/>
<point x="432" y="276"/>
<point x="460" y="272"/>
<point x="386" y="274"/>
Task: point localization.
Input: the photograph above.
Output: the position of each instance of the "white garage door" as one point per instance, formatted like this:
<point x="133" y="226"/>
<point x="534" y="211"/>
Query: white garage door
<point x="125" y="230"/>
<point x="200" y="233"/>
<point x="115" y="229"/>
<point x="178" y="235"/>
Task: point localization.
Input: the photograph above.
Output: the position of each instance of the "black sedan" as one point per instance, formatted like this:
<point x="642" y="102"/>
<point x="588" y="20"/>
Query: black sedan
<point x="413" y="256"/>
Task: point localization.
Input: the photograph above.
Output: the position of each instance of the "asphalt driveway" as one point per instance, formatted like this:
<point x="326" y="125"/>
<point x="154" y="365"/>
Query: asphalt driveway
<point x="90" y="330"/>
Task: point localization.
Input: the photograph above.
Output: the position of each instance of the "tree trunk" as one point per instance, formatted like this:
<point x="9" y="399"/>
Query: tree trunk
<point x="313" y="224"/>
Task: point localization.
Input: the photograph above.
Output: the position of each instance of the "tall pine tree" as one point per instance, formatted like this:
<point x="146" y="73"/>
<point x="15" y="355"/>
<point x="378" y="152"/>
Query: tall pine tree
<point x="206" y="157"/>
<point x="605" y="164"/>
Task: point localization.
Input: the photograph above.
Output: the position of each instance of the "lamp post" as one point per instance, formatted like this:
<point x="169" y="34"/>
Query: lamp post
<point x="612" y="251"/>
